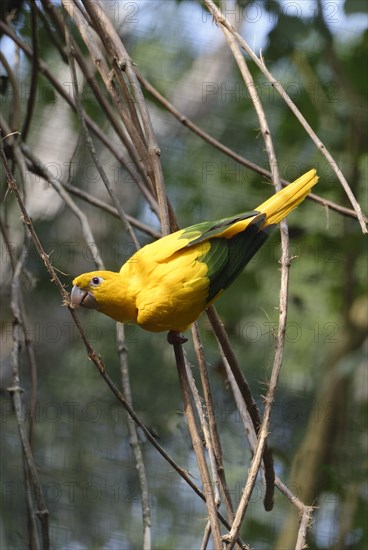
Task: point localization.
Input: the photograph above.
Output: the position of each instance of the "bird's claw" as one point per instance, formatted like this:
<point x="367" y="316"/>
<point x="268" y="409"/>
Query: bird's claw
<point x="174" y="337"/>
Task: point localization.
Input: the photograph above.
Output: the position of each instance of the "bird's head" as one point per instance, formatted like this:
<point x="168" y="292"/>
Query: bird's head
<point x="94" y="290"/>
<point x="106" y="291"/>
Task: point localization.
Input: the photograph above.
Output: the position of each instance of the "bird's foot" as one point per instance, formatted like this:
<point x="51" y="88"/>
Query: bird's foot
<point x="174" y="337"/>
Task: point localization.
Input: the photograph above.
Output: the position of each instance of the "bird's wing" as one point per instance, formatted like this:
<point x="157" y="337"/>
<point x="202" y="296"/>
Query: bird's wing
<point x="190" y="269"/>
<point x="165" y="248"/>
<point x="226" y="258"/>
<point x="201" y="232"/>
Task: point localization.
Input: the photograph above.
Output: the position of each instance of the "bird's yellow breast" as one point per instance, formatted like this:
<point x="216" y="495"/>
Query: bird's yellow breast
<point x="170" y="290"/>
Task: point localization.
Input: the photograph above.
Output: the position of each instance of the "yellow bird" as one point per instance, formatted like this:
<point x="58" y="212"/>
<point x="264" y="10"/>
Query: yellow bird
<point x="165" y="285"/>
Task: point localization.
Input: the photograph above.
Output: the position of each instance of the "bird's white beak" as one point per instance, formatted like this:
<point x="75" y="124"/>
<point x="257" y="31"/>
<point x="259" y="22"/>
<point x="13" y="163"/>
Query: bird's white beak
<point x="82" y="298"/>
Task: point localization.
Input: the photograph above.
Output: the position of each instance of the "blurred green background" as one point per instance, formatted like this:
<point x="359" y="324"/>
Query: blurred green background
<point x="318" y="51"/>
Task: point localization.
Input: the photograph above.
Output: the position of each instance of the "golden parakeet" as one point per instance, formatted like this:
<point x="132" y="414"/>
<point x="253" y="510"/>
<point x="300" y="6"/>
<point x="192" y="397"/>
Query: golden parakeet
<point x="168" y="283"/>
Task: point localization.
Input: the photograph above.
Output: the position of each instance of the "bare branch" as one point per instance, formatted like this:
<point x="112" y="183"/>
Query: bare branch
<point x="16" y="107"/>
<point x="244" y="389"/>
<point x="197" y="445"/>
<point x="34" y="75"/>
<point x="221" y="20"/>
<point x="214" y="436"/>
<point x="134" y="440"/>
<point x="86" y="229"/>
<point x="31" y="474"/>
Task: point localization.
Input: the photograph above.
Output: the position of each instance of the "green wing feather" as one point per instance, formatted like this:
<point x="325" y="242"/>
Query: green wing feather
<point x="226" y="258"/>
<point x="206" y="230"/>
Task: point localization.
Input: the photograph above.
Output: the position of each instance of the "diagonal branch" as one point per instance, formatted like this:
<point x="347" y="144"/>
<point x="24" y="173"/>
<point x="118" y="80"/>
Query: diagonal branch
<point x="187" y="122"/>
<point x="103" y="138"/>
<point x="246" y="394"/>
<point x="221" y="20"/>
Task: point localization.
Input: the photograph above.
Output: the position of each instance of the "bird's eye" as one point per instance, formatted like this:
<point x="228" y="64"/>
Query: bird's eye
<point x="95" y="281"/>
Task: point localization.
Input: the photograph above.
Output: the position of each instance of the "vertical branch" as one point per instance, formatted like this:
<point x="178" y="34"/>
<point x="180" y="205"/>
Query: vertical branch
<point x="34" y="76"/>
<point x="251" y="405"/>
<point x="32" y="480"/>
<point x="215" y="439"/>
<point x="197" y="445"/>
<point x="135" y="168"/>
<point x="283" y="298"/>
<point x="253" y="94"/>
<point x="304" y="510"/>
<point x="202" y="413"/>
<point x="15" y="114"/>
<point x="61" y="90"/>
<point x="133" y="435"/>
<point x="27" y="340"/>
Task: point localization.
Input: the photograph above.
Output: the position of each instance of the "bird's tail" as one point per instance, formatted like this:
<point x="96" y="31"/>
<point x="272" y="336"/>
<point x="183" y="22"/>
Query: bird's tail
<point x="282" y="203"/>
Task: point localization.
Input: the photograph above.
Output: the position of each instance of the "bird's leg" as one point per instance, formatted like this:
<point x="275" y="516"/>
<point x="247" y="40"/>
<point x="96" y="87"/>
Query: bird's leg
<point x="174" y="337"/>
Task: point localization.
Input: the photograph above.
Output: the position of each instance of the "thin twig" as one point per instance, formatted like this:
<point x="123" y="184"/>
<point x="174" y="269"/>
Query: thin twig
<point x="18" y="330"/>
<point x="50" y="10"/>
<point x="202" y="413"/>
<point x="84" y="195"/>
<point x="257" y="104"/>
<point x="15" y="111"/>
<point x="305" y="524"/>
<point x="251" y="405"/>
<point x="86" y="229"/>
<point x="134" y="441"/>
<point x="92" y="41"/>
<point x="28" y="341"/>
<point x="304" y="510"/>
<point x="96" y="12"/>
<point x="285" y="264"/>
<point x="206" y="536"/>
<point x="90" y="199"/>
